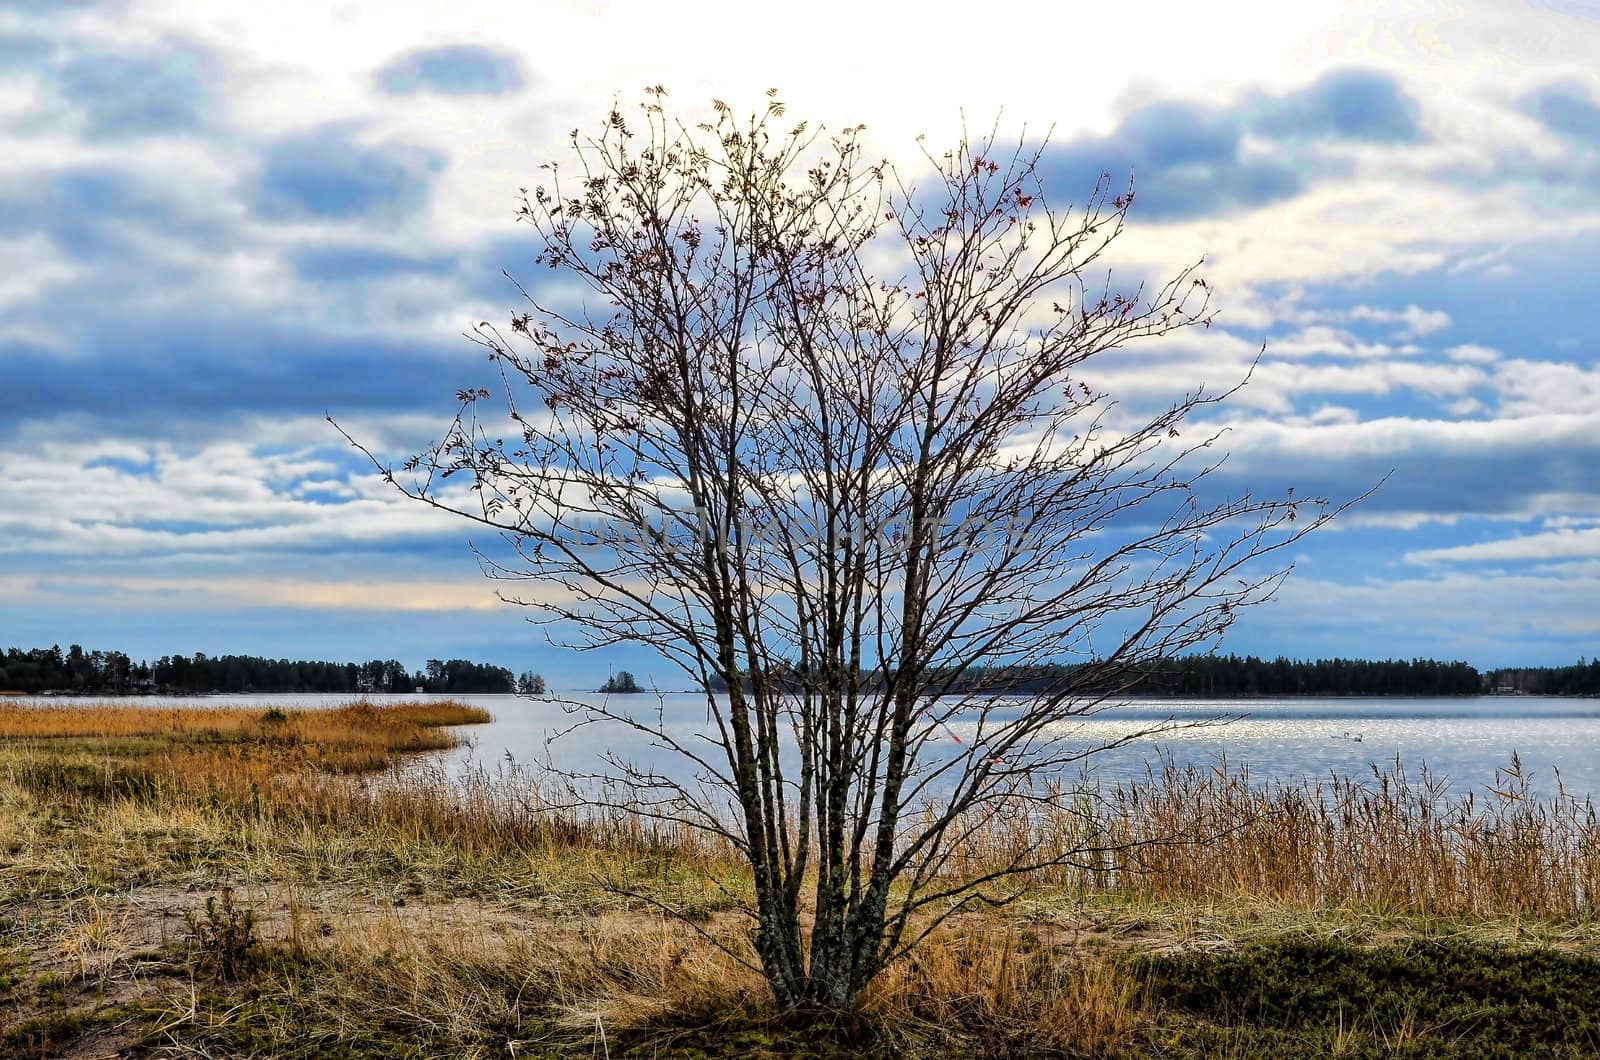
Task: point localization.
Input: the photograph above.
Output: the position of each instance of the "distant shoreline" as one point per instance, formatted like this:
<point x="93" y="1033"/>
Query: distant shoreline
<point x="1141" y="697"/>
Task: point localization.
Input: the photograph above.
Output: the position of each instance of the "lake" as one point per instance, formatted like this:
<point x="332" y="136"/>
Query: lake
<point x="1466" y="739"/>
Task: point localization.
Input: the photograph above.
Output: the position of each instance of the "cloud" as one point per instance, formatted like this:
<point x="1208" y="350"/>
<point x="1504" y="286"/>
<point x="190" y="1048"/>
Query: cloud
<point x="109" y="90"/>
<point x="328" y="174"/>
<point x="1320" y="340"/>
<point x="344" y="263"/>
<point x="58" y="7"/>
<point x="1192" y="160"/>
<point x="1471" y="353"/>
<point x="163" y="306"/>
<point x="104" y="215"/>
<point x="1362" y="106"/>
<point x="196" y="375"/>
<point x="1318" y="362"/>
<point x="1560" y="544"/>
<point x="1540" y="300"/>
<point x="228" y="593"/>
<point x="1537" y="388"/>
<point x="1496" y="468"/>
<point x="29" y="267"/>
<point x="226" y="500"/>
<point x="1414" y="320"/>
<point x="1436" y="380"/>
<point x="1566" y="109"/>
<point x="121" y="94"/>
<point x="454" y="70"/>
<point x="24" y="52"/>
<point x="1493" y="618"/>
<point x="1558" y="175"/>
<point x="1187" y="160"/>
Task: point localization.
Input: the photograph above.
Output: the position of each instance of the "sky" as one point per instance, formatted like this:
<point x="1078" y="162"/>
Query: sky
<point x="222" y="222"/>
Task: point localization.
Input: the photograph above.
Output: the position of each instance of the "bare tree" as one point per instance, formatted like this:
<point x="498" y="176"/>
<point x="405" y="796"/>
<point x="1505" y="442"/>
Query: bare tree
<point x="826" y="442"/>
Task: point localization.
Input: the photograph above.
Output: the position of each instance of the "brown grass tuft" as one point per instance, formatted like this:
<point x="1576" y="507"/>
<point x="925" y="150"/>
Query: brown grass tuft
<point x="1004" y="991"/>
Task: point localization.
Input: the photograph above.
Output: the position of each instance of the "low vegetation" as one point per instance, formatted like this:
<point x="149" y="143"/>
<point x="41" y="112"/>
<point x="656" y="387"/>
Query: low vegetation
<point x="224" y="882"/>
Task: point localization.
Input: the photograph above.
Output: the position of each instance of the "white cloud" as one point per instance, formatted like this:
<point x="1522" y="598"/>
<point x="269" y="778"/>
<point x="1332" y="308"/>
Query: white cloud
<point x="1485" y="262"/>
<point x="1274" y="385"/>
<point x="1469" y="353"/>
<point x="225" y="499"/>
<point x="1437" y="470"/>
<point x="1397" y="436"/>
<point x="1321" y="340"/>
<point x="1538" y="388"/>
<point x="1334" y="414"/>
<point x="231" y="593"/>
<point x="1437" y="380"/>
<point x="29" y="268"/>
<point x="1414" y="321"/>
<point x="1549" y="545"/>
<point x="1487" y="615"/>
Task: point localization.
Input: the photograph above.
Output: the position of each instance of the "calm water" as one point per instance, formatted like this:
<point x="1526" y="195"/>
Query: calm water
<point x="1465" y="739"/>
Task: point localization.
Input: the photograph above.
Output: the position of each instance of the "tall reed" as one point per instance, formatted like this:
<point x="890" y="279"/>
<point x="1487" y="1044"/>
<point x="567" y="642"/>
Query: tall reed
<point x="1391" y="841"/>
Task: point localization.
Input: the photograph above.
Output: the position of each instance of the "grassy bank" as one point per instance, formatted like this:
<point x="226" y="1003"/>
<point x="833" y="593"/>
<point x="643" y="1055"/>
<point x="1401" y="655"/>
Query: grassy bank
<point x="356" y="737"/>
<point x="243" y="882"/>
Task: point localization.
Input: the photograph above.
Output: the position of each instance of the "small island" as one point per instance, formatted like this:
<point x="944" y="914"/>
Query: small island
<point x="621" y="682"/>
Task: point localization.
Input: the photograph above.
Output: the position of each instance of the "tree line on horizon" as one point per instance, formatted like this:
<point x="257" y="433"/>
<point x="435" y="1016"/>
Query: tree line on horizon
<point x="1580" y="680"/>
<point x="114" y="672"/>
<point x="1236" y="676"/>
<point x="1201" y="676"/>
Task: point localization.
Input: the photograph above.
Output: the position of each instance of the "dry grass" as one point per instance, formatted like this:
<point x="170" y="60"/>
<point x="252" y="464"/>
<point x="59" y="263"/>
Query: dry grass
<point x="636" y="985"/>
<point x="358" y="735"/>
<point x="999" y="989"/>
